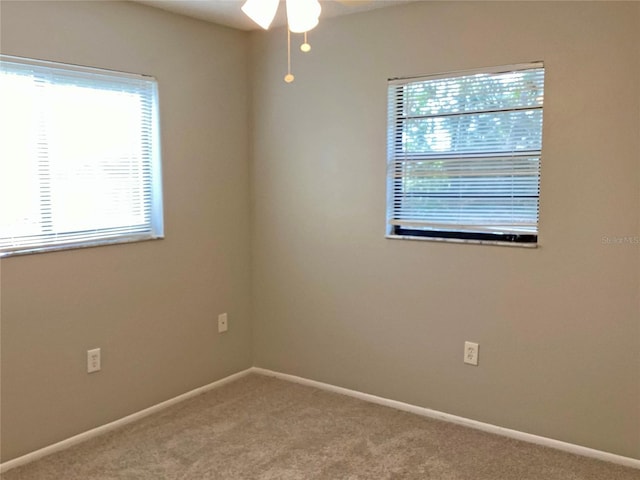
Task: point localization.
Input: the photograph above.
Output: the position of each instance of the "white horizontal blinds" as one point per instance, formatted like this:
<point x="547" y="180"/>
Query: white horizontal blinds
<point x="464" y="152"/>
<point x="78" y="155"/>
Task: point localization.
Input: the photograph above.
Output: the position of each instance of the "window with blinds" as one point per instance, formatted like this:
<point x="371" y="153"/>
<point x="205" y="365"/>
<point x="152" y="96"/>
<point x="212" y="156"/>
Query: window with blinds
<point x="464" y="155"/>
<point x="79" y="157"/>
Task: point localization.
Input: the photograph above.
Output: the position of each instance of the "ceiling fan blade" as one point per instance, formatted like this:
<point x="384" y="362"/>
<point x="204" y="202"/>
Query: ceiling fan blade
<point x="261" y="11"/>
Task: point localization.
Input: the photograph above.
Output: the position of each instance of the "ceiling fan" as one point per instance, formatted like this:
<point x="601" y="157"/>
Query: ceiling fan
<point x="302" y="16"/>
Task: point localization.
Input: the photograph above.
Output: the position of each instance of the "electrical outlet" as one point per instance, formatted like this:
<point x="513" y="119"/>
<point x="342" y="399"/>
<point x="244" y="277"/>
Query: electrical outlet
<point x="93" y="360"/>
<point x="223" y="324"/>
<point x="471" y="353"/>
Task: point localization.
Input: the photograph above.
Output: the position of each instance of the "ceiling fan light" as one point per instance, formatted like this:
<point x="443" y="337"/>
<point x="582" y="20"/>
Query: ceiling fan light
<point x="303" y="15"/>
<point x="261" y="11"/>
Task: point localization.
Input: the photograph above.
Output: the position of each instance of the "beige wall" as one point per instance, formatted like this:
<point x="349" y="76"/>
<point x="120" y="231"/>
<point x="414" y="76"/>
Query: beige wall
<point x="150" y="306"/>
<point x="558" y="327"/>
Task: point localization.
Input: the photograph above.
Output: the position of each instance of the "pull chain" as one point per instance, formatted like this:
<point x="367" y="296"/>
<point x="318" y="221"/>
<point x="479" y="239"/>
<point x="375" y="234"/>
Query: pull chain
<point x="289" y="76"/>
<point x="305" y="47"/>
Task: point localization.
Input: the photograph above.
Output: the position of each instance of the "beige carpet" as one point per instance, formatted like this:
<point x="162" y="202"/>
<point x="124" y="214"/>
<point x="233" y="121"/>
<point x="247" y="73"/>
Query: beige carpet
<point x="262" y="428"/>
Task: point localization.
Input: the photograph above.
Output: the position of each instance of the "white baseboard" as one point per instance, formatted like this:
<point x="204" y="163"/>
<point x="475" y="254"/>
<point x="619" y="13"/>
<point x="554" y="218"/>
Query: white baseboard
<point x="487" y="427"/>
<point x="95" y="432"/>
<point x="425" y="412"/>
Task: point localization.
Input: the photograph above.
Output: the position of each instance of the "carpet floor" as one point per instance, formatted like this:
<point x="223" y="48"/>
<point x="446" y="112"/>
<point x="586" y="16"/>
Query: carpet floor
<point x="263" y="428"/>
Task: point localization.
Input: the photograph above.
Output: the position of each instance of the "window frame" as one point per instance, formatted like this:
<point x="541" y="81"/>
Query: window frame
<point x="149" y="182"/>
<point x="395" y="176"/>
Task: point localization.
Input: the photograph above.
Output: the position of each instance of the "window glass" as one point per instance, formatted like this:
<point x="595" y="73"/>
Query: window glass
<point x="79" y="157"/>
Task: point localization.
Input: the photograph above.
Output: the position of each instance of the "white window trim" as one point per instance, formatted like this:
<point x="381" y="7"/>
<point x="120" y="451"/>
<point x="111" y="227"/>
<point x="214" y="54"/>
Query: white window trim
<point x="390" y="130"/>
<point x="155" y="225"/>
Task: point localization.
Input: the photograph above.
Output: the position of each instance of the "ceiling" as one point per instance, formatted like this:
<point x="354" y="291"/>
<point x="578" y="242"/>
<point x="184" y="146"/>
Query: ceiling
<point x="227" y="12"/>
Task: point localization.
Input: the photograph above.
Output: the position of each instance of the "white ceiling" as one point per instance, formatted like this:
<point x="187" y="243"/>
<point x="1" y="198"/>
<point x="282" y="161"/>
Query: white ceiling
<point x="227" y="12"/>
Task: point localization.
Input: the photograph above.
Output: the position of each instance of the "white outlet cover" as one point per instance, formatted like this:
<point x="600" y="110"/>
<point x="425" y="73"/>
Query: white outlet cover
<point x="471" y="353"/>
<point x="223" y="323"/>
<point x="93" y="360"/>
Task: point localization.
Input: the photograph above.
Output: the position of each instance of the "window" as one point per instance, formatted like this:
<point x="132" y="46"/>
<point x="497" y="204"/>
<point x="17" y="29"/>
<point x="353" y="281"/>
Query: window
<point x="464" y="155"/>
<point x="79" y="157"/>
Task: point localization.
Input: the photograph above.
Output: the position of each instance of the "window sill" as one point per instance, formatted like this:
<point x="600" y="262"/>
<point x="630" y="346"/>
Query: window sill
<point x="76" y="246"/>
<point x="459" y="240"/>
